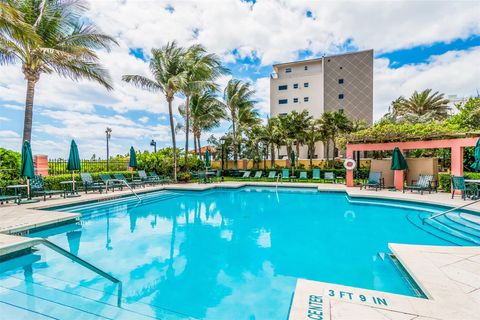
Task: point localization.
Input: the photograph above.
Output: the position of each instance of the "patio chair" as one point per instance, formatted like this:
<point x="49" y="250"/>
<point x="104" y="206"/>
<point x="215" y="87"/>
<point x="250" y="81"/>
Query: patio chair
<point x="467" y="190"/>
<point x="37" y="188"/>
<point x="133" y="183"/>
<point x="330" y="177"/>
<point x="110" y="183"/>
<point x="285" y="174"/>
<point x="146" y="179"/>
<point x="89" y="184"/>
<point x="374" y="181"/>
<point x="6" y="198"/>
<point x="316" y="174"/>
<point x="258" y="175"/>
<point x="424" y="183"/>
<point x="155" y="176"/>
<point x="272" y="175"/>
<point x="303" y="176"/>
<point x="246" y="175"/>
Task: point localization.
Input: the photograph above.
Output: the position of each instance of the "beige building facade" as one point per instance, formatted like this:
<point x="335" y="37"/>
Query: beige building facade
<point x="341" y="83"/>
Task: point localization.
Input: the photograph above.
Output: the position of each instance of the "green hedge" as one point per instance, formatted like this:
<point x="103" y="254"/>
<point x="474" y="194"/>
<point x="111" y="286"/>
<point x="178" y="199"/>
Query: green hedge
<point x="444" y="182"/>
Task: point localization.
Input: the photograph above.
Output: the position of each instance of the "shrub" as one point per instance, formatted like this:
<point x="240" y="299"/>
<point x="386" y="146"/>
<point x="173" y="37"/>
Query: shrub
<point x="10" y="162"/>
<point x="444" y="182"/>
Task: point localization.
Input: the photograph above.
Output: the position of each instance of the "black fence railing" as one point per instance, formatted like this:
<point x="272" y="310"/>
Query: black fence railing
<point x="59" y="166"/>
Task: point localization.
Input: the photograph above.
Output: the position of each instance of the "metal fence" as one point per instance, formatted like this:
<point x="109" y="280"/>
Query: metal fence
<point x="59" y="166"/>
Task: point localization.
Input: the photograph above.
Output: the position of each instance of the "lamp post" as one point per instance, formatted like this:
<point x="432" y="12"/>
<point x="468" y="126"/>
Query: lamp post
<point x="153" y="143"/>
<point x="108" y="133"/>
<point x="222" y="141"/>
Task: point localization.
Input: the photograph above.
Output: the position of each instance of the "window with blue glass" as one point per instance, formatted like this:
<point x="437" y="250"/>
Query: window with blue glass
<point x="295" y="100"/>
<point x="341" y="96"/>
<point x="288" y="70"/>
<point x="295" y="86"/>
<point x="340" y="81"/>
<point x="305" y="99"/>
<point x="283" y="87"/>
<point x="306" y="84"/>
<point x="282" y="114"/>
<point x="283" y="101"/>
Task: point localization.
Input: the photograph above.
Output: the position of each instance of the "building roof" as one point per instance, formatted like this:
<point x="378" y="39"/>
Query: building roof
<point x="275" y="66"/>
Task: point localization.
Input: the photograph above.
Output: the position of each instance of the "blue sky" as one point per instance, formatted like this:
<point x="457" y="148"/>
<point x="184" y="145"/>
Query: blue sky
<point x="411" y="53"/>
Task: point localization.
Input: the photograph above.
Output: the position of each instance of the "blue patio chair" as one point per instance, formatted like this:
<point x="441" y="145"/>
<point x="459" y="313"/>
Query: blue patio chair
<point x="374" y="181"/>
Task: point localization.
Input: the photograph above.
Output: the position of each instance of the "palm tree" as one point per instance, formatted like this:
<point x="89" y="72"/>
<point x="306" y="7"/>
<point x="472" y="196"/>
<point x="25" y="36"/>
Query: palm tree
<point x="167" y="66"/>
<point x="57" y="40"/>
<point x="238" y="99"/>
<point x="202" y="69"/>
<point x="334" y="124"/>
<point x="206" y="112"/>
<point x="422" y="106"/>
<point x="314" y="133"/>
<point x="299" y="123"/>
<point x="271" y="136"/>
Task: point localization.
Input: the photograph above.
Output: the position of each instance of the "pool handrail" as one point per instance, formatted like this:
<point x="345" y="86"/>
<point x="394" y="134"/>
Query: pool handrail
<point x="85" y="264"/>
<point x="123" y="182"/>
<point x="451" y="210"/>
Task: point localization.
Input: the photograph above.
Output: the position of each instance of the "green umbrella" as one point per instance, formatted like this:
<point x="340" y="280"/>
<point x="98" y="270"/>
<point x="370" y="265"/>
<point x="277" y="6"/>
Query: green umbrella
<point x="476" y="164"/>
<point x="207" y="159"/>
<point x="133" y="158"/>
<point x="73" y="165"/>
<point x="27" y="169"/>
<point x="398" y="161"/>
<point x="292" y="158"/>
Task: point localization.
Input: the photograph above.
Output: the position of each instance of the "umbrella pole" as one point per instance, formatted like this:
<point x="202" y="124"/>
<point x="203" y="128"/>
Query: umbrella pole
<point x="73" y="181"/>
<point x="28" y="189"/>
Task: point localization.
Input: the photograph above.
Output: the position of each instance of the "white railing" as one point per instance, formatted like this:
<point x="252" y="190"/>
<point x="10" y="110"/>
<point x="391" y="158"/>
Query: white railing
<point x="124" y="183"/>
<point x="451" y="210"/>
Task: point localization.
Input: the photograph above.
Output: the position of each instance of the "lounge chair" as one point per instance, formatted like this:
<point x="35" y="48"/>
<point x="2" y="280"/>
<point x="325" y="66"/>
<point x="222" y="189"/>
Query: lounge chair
<point x="467" y="190"/>
<point x="330" y="177"/>
<point x="89" y="184"/>
<point x="374" y="181"/>
<point x="133" y="183"/>
<point x="146" y="179"/>
<point x="316" y="174"/>
<point x="272" y="175"/>
<point x="5" y="199"/>
<point x="155" y="176"/>
<point x="111" y="183"/>
<point x="37" y="188"/>
<point x="285" y="174"/>
<point x="246" y="175"/>
<point x="303" y="176"/>
<point x="424" y="183"/>
<point x="258" y="175"/>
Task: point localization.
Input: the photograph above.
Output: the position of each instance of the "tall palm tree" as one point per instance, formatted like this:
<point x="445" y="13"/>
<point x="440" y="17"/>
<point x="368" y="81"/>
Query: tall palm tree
<point x="58" y="41"/>
<point x="167" y="66"/>
<point x="422" y="106"/>
<point x="238" y="99"/>
<point x="202" y="69"/>
<point x="206" y="112"/>
<point x="271" y="137"/>
<point x="314" y="133"/>
<point x="299" y="123"/>
<point x="334" y="124"/>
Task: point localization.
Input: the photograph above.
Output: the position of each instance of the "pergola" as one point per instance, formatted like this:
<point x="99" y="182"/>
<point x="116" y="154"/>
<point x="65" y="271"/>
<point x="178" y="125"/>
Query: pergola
<point x="456" y="143"/>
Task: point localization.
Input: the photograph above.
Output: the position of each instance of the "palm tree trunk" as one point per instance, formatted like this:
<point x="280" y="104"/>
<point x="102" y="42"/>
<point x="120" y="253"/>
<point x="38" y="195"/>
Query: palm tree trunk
<point x="27" y="122"/>
<point x="272" y="153"/>
<point x="187" y="129"/>
<point x="327" y="145"/>
<point x="195" y="144"/>
<point x="235" y="149"/>
<point x="174" y="143"/>
<point x="297" y="147"/>
<point x="198" y="143"/>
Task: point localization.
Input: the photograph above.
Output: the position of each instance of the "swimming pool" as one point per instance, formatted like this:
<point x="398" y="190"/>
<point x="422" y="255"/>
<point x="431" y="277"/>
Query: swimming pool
<point x="218" y="254"/>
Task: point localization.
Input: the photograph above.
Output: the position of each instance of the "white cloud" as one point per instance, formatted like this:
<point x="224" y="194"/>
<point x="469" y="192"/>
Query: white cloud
<point x="143" y="119"/>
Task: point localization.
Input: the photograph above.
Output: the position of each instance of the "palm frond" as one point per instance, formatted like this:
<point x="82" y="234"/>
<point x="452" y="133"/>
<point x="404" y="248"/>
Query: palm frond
<point x="143" y="83"/>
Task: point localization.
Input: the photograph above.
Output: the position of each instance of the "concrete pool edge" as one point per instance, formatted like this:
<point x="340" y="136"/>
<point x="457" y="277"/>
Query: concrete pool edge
<point x="442" y="272"/>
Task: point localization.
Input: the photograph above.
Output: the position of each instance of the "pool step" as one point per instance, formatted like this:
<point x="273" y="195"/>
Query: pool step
<point x="471" y="218"/>
<point x="443" y="230"/>
<point x="453" y="220"/>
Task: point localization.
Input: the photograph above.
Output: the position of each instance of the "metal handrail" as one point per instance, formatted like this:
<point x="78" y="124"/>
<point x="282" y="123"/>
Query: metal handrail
<point x="278" y="178"/>
<point x="86" y="264"/>
<point x="450" y="210"/>
<point x="125" y="183"/>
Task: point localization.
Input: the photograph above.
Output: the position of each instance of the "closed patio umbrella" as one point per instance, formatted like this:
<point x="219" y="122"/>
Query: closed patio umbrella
<point x="132" y="163"/>
<point x="476" y="164"/>
<point x="292" y="161"/>
<point x="27" y="169"/>
<point x="207" y="159"/>
<point x="398" y="161"/>
<point x="73" y="163"/>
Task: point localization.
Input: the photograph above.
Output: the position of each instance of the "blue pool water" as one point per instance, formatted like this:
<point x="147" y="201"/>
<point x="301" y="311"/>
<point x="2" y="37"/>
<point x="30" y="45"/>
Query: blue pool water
<point x="221" y="254"/>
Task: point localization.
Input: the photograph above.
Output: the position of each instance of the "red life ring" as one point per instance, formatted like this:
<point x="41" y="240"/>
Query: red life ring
<point x="349" y="164"/>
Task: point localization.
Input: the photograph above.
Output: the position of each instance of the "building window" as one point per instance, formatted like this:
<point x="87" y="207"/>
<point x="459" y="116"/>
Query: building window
<point x="288" y="70"/>
<point x="305" y="99"/>
<point x="341" y="68"/>
<point x="283" y="101"/>
<point x="282" y="114"/>
<point x="295" y="100"/>
<point x="340" y="110"/>
<point x="305" y="68"/>
<point x="340" y="81"/>
<point x="295" y="86"/>
<point x="283" y="87"/>
<point x="341" y="96"/>
<point x="305" y="84"/>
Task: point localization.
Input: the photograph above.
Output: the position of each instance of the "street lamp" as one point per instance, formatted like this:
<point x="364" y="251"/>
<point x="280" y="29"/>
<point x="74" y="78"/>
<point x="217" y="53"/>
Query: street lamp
<point x="153" y="143"/>
<point x="222" y="141"/>
<point x="108" y="133"/>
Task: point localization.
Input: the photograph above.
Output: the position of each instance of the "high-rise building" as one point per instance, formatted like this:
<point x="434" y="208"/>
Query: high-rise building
<point x="342" y="82"/>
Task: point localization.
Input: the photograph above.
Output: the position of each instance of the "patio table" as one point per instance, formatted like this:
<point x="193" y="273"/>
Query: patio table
<point x="477" y="182"/>
<point x="16" y="188"/>
<point x="73" y="191"/>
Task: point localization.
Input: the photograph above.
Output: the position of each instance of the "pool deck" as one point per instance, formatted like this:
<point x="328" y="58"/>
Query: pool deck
<point x="449" y="276"/>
